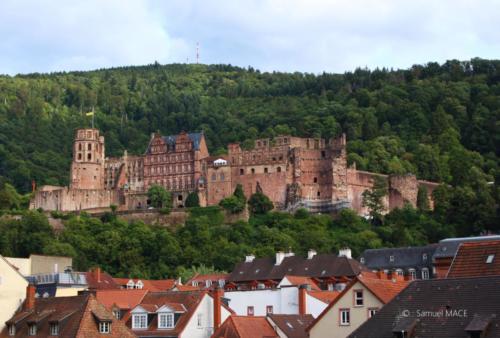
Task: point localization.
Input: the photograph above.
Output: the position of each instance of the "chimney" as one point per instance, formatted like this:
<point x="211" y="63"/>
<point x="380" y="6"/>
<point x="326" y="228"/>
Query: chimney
<point x="29" y="303"/>
<point x="280" y="256"/>
<point x="249" y="258"/>
<point x="345" y="252"/>
<point x="381" y="274"/>
<point x="302" y="299"/>
<point x="97" y="274"/>
<point x="218" y="293"/>
<point x="311" y="253"/>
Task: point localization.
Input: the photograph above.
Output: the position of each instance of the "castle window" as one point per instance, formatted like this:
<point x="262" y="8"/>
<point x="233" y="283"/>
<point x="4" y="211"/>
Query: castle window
<point x="278" y="169"/>
<point x="323" y="154"/>
<point x="274" y="158"/>
<point x="281" y="157"/>
<point x="258" y="144"/>
<point x="253" y="170"/>
<point x="318" y="194"/>
<point x="89" y="157"/>
<point x="285" y="140"/>
<point x="242" y="171"/>
<point x="89" y="146"/>
<point x="179" y="197"/>
<point x="214" y="177"/>
<point x="79" y="146"/>
<point x="264" y="143"/>
<point x="79" y="156"/>
<point x="315" y="180"/>
<point x="265" y="170"/>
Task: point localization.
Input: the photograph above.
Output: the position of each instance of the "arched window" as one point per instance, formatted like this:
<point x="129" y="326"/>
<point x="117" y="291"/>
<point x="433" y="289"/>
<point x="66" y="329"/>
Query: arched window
<point x="79" y="156"/>
<point x="278" y="169"/>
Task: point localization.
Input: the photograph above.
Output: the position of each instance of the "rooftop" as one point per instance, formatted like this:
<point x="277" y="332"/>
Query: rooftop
<point x="245" y="327"/>
<point x="460" y="301"/>
<point x="475" y="259"/>
<point x="294" y="326"/>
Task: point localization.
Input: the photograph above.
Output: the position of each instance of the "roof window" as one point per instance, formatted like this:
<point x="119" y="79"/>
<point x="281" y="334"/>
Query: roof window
<point x="490" y="259"/>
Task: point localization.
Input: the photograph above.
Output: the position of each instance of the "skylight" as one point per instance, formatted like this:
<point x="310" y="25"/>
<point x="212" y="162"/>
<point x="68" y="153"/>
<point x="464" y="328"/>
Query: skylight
<point x="289" y="325"/>
<point x="490" y="258"/>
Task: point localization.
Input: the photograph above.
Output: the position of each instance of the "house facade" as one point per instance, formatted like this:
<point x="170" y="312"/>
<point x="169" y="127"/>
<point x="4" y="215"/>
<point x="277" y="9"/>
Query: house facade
<point x="360" y="301"/>
<point x="12" y="290"/>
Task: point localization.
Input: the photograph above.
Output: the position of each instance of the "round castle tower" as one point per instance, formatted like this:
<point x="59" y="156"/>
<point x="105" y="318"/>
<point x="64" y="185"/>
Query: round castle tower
<point x="87" y="168"/>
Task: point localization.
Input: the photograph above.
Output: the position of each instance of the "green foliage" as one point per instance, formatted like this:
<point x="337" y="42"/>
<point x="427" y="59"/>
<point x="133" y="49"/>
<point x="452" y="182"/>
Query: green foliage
<point x="9" y="198"/>
<point x="192" y="200"/>
<point x="187" y="273"/>
<point x="373" y="198"/>
<point x="260" y="203"/>
<point x="235" y="203"/>
<point x="159" y="197"/>
<point x="422" y="199"/>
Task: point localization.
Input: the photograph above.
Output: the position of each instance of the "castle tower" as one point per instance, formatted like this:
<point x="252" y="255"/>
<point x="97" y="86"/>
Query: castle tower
<point x="87" y="168"/>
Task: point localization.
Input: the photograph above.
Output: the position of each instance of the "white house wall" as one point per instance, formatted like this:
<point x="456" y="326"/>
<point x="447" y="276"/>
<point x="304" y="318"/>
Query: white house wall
<point x="205" y="308"/>
<point x="12" y="291"/>
<point x="283" y="301"/>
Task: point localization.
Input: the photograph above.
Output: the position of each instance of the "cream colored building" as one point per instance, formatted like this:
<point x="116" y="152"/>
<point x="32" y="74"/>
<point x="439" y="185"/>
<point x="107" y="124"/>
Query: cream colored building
<point x="12" y="290"/>
<point x="360" y="300"/>
<point x="40" y="264"/>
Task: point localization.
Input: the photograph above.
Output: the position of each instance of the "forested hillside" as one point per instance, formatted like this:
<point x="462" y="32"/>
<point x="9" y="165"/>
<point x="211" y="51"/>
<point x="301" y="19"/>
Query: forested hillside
<point x="440" y="122"/>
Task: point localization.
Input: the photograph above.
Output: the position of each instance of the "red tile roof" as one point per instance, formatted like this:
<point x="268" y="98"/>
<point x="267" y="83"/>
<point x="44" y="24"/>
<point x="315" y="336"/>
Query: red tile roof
<point x="149" y="284"/>
<point x="123" y="299"/>
<point x="245" y="327"/>
<point x="76" y="316"/>
<point x="383" y="289"/>
<point x="300" y="280"/>
<point x="155" y="300"/>
<point x="100" y="280"/>
<point x="471" y="260"/>
<point x="202" y="278"/>
<point x="324" y="296"/>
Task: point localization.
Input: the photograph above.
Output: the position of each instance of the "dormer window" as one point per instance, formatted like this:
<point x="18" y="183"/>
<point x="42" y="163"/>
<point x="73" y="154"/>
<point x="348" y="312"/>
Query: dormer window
<point x="54" y="329"/>
<point x="12" y="330"/>
<point x="32" y="329"/>
<point x="139" y="285"/>
<point x="391" y="259"/>
<point x="117" y="313"/>
<point x="130" y="284"/>
<point x="139" y="321"/>
<point x="424" y="257"/>
<point x="194" y="283"/>
<point x="208" y="283"/>
<point x="104" y="327"/>
<point x="165" y="320"/>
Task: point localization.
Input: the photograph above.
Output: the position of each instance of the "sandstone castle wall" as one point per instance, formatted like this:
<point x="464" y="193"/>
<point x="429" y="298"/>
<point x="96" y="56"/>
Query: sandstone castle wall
<point x="293" y="172"/>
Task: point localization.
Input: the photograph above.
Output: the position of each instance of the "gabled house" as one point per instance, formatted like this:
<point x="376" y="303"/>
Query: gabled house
<point x="330" y="271"/>
<point x="476" y="259"/>
<point x="410" y="262"/>
<point x="444" y="308"/>
<point x="77" y="316"/>
<point x="177" y="314"/>
<point x="359" y="301"/>
<point x="146" y="284"/>
<point x="12" y="290"/>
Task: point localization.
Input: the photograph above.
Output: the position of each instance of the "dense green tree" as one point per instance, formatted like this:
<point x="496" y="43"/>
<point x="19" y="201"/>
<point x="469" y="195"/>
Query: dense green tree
<point x="159" y="197"/>
<point x="260" y="203"/>
<point x="192" y="200"/>
<point x="373" y="198"/>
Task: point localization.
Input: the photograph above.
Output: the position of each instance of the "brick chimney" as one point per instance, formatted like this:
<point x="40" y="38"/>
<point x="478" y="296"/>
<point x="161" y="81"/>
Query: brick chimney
<point x="29" y="303"/>
<point x="217" y="294"/>
<point x="302" y="299"/>
<point x="96" y="273"/>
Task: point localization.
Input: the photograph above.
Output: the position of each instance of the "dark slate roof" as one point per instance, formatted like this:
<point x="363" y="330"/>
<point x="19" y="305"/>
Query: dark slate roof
<point x="448" y="247"/>
<point x="294" y="326"/>
<point x="408" y="257"/>
<point x="418" y="307"/>
<point x="171" y="139"/>
<point x="320" y="266"/>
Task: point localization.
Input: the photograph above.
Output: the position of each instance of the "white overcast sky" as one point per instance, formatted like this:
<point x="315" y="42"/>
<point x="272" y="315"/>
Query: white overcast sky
<point x="284" y="35"/>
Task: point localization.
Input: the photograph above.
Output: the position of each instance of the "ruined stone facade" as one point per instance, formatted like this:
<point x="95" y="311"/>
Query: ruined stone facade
<point x="293" y="172"/>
